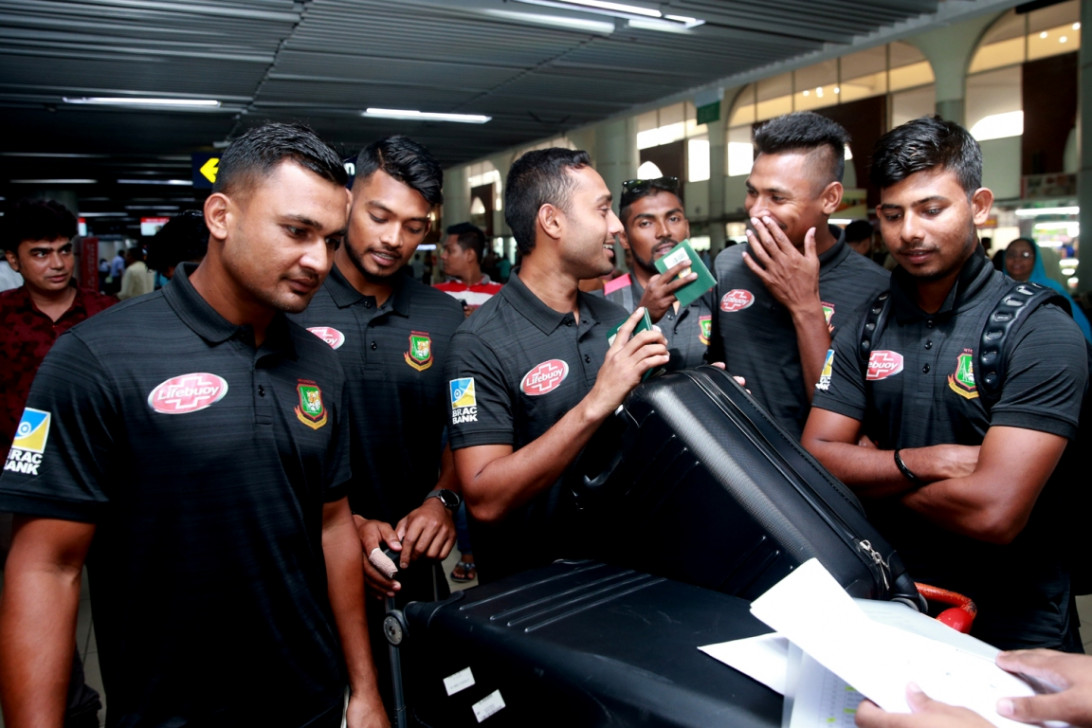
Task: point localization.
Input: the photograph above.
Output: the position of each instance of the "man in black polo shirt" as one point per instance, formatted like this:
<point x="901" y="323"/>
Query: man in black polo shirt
<point x="779" y="298"/>
<point x="391" y="333"/>
<point x="532" y="375"/>
<point x="951" y="482"/>
<point x="653" y="222"/>
<point x="199" y="463"/>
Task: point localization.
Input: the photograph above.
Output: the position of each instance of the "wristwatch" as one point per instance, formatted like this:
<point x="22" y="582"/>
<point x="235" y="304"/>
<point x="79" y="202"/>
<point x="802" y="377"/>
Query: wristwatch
<point x="449" y="498"/>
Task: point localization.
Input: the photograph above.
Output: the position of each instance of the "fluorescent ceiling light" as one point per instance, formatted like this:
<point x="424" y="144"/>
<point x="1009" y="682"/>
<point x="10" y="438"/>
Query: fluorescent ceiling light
<point x="670" y="23"/>
<point x="1036" y="211"/>
<point x="638" y="16"/>
<point x="144" y="101"/>
<point x="171" y="182"/>
<point x="603" y="27"/>
<point x="54" y="181"/>
<point x="105" y="214"/>
<point x="426" y="116"/>
<point x="617" y="7"/>
<point x="151" y="207"/>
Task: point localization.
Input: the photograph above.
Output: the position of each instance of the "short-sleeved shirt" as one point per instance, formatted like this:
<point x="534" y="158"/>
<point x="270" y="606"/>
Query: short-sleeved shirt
<point x="393" y="356"/>
<point x="917" y="389"/>
<point x="687" y="330"/>
<point x="516" y="367"/>
<point x="26" y="335"/>
<point x="204" y="464"/>
<point x="753" y="334"/>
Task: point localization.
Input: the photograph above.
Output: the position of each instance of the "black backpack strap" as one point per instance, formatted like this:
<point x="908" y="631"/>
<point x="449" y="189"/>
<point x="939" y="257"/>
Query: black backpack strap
<point x="1008" y="314"/>
<point x="875" y="320"/>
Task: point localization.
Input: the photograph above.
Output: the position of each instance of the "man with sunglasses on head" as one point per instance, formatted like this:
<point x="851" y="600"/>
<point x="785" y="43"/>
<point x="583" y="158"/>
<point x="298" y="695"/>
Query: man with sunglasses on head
<point x="653" y="222"/>
<point x="780" y="296"/>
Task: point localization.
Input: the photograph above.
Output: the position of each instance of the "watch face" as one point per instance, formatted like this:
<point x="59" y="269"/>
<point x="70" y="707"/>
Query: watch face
<point x="449" y="498"/>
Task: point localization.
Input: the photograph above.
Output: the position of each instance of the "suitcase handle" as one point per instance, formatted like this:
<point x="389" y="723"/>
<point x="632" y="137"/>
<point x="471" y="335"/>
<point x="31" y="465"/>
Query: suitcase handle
<point x="960" y="615"/>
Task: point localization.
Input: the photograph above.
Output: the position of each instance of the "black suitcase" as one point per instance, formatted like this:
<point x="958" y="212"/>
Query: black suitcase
<point x="691" y="479"/>
<point x="580" y="643"/>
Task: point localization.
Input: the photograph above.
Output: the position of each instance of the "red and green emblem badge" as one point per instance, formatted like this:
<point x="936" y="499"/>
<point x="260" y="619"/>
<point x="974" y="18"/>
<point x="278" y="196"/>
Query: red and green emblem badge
<point x="962" y="380"/>
<point x="706" y="324"/>
<point x="310" y="410"/>
<point x="419" y="355"/>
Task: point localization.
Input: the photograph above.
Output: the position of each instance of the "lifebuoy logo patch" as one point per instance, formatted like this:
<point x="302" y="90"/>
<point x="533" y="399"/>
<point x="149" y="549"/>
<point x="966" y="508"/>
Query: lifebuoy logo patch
<point x="187" y="393"/>
<point x="736" y="299"/>
<point x="546" y="377"/>
<point x="883" y="364"/>
<point x="329" y="334"/>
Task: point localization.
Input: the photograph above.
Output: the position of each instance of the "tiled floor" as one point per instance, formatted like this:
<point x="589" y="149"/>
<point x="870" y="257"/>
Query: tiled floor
<point x="86" y="636"/>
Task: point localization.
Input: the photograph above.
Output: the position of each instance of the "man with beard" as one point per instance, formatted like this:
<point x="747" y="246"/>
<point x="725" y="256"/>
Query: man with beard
<point x="653" y="222"/>
<point x="391" y="333"/>
<point x="532" y="374"/>
<point x="953" y="482"/>
<point x="780" y="296"/>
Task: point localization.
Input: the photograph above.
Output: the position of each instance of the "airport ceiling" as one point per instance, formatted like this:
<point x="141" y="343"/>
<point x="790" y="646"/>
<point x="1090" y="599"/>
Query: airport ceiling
<point x="324" y="61"/>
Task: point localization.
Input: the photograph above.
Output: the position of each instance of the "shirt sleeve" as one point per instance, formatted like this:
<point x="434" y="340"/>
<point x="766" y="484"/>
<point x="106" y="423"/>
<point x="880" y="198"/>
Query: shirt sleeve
<point x="480" y="402"/>
<point x="338" y="468"/>
<point x="60" y="462"/>
<point x="1046" y="376"/>
<point x="841" y="385"/>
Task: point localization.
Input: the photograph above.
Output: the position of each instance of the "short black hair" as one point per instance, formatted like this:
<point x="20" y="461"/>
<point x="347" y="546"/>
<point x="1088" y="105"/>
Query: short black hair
<point x="923" y="144"/>
<point x="808" y="132"/>
<point x="634" y="189"/>
<point x="539" y="177"/>
<point x="858" y="230"/>
<point x="262" y="148"/>
<point x="407" y="161"/>
<point x="469" y="237"/>
<point x="37" y="220"/>
<point x="184" y="238"/>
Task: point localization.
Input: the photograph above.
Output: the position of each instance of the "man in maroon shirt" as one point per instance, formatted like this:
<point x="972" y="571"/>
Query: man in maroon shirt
<point x="37" y="239"/>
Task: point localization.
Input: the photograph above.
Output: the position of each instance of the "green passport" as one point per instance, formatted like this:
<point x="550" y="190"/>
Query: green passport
<point x="645" y="324"/>
<point x="699" y="285"/>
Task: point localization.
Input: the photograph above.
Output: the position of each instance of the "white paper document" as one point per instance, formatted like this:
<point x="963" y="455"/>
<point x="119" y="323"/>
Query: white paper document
<point x="765" y="658"/>
<point x="810" y="609"/>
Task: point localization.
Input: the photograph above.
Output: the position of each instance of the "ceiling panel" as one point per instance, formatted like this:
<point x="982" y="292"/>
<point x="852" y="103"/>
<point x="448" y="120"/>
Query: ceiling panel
<point x="323" y="61"/>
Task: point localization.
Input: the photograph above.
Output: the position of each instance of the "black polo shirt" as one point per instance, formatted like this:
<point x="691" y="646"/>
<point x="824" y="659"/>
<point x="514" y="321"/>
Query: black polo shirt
<point x="393" y="356"/>
<point x="516" y="367"/>
<point x="687" y="331"/>
<point x="754" y="335"/>
<point x="204" y="464"/>
<point x="918" y="389"/>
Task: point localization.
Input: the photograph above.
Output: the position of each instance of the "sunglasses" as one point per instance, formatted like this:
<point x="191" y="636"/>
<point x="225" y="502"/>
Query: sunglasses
<point x="635" y="188"/>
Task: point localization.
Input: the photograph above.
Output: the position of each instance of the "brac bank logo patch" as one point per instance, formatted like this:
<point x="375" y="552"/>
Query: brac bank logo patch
<point x="33" y="430"/>
<point x="827" y="372"/>
<point x="25" y="455"/>
<point x="883" y="364"/>
<point x="187" y="393"/>
<point x="736" y="299"/>
<point x="546" y="377"/>
<point x="464" y="401"/>
<point x="329" y="334"/>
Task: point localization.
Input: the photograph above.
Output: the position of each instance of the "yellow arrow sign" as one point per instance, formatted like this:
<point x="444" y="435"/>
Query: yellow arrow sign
<point x="210" y="168"/>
